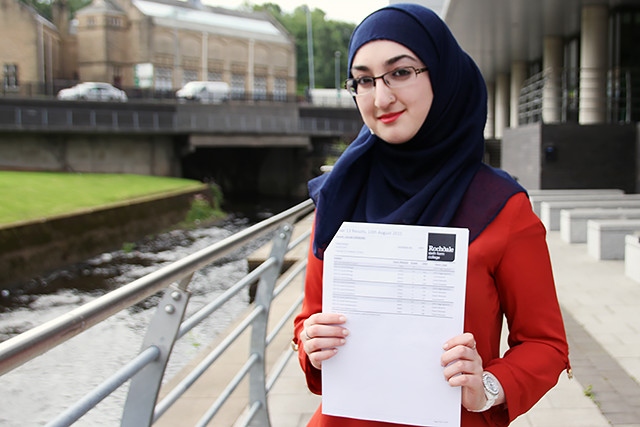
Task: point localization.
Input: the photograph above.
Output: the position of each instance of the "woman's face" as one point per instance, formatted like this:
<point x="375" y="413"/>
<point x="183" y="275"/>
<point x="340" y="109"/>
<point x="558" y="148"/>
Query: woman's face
<point x="394" y="114"/>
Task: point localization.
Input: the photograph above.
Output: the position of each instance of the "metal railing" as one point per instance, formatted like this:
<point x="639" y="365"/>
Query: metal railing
<point x="72" y="117"/>
<point x="146" y="370"/>
<point x="613" y="96"/>
<point x="49" y="90"/>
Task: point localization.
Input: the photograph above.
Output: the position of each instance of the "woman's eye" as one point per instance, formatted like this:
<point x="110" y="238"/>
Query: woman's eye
<point x="365" y="81"/>
<point x="402" y="72"/>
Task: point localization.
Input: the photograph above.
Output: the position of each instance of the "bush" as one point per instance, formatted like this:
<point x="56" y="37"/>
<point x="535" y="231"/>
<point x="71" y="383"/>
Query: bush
<point x="203" y="209"/>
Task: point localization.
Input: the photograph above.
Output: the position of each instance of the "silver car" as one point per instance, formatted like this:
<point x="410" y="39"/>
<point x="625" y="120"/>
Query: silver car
<point x="93" y="91"/>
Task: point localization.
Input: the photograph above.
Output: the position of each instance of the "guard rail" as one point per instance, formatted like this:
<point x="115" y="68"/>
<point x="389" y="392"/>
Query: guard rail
<point x="146" y="370"/>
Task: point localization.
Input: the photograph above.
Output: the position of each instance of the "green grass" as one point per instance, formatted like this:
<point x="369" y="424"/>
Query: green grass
<point x="33" y="195"/>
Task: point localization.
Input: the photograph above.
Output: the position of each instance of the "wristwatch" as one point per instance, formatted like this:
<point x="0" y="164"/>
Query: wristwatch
<point x="491" y="390"/>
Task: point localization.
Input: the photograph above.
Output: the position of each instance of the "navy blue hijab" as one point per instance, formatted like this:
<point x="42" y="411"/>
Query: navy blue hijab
<point x="422" y="181"/>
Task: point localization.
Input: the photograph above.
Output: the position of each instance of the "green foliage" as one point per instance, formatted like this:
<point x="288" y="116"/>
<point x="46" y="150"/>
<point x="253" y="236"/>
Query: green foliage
<point x="33" y="195"/>
<point x="336" y="151"/>
<point x="44" y="7"/>
<point x="588" y="391"/>
<point x="329" y="37"/>
<point x="202" y="210"/>
<point x="128" y="247"/>
<point x="217" y="197"/>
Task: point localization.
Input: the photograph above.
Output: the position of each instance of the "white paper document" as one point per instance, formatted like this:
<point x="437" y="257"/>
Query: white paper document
<point x="402" y="289"/>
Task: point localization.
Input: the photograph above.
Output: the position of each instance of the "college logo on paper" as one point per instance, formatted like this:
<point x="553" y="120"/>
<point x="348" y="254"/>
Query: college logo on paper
<point x="441" y="247"/>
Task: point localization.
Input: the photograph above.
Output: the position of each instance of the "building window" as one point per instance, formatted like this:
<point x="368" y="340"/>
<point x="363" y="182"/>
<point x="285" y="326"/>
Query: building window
<point x="260" y="88"/>
<point x="10" y="77"/>
<point x="214" y="76"/>
<point x="164" y="79"/>
<point x="280" y="89"/>
<point x="189" y="76"/>
<point x="91" y="21"/>
<point x="113" y="21"/>
<point x="237" y="86"/>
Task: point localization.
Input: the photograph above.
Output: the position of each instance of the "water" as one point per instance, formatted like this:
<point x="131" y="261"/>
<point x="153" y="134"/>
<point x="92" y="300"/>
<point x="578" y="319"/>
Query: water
<point x="39" y="390"/>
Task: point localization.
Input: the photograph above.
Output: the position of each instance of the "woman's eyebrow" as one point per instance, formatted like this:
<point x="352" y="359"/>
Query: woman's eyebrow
<point x="388" y="62"/>
<point x="395" y="59"/>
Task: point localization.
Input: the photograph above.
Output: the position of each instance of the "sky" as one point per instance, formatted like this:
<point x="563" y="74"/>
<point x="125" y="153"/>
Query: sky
<point x="352" y="11"/>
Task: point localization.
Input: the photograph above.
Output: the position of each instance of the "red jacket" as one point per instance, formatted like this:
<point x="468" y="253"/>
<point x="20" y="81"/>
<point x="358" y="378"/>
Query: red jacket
<point x="509" y="275"/>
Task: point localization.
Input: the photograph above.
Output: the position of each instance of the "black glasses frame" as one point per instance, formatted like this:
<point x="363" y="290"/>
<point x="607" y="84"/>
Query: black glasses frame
<point x="351" y="85"/>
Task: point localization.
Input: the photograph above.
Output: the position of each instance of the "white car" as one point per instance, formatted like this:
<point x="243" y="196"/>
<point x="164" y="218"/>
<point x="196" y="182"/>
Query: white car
<point x="205" y="92"/>
<point x="93" y="91"/>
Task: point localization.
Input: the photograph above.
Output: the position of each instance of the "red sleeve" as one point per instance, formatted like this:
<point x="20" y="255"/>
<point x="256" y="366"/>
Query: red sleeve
<point x="538" y="350"/>
<point x="312" y="303"/>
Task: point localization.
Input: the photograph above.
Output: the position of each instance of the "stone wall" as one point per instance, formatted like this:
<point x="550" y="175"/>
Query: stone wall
<point x="98" y="153"/>
<point x="36" y="247"/>
<point x="569" y="155"/>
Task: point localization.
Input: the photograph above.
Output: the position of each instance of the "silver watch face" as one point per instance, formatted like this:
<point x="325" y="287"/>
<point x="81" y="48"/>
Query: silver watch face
<point x="490" y="384"/>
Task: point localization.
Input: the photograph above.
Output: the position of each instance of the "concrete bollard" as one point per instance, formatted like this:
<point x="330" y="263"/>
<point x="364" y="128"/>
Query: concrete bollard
<point x="632" y="257"/>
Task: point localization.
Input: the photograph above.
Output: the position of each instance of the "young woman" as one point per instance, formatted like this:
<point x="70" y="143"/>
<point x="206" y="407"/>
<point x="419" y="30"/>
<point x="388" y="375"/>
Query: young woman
<point x="418" y="161"/>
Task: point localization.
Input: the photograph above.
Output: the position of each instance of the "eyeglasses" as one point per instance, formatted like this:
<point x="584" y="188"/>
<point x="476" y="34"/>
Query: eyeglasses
<point x="393" y="79"/>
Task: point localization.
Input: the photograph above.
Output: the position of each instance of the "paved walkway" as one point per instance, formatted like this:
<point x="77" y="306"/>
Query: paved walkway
<point x="600" y="305"/>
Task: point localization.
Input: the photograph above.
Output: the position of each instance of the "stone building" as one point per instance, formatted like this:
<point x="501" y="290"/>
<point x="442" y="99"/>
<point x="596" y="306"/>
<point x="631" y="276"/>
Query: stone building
<point x="30" y="55"/>
<point x="154" y="45"/>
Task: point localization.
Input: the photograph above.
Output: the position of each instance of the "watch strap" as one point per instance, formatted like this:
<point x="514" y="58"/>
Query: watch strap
<point x="491" y="397"/>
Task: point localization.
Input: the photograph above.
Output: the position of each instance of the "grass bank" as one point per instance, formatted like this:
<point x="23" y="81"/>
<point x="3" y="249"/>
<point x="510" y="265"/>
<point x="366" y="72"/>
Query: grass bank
<point x="34" y="195"/>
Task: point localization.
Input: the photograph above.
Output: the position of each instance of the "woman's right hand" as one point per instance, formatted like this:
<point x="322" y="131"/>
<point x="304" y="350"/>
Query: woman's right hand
<point x="322" y="335"/>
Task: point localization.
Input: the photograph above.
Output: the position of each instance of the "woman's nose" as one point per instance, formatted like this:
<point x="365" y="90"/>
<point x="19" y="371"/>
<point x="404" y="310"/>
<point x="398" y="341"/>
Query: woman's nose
<point x="383" y="95"/>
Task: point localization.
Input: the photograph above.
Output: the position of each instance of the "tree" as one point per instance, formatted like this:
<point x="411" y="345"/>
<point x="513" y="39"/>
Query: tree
<point x="328" y="37"/>
<point x="43" y="7"/>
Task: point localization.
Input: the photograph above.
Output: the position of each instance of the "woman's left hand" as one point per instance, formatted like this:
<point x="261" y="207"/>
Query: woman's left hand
<point x="463" y="368"/>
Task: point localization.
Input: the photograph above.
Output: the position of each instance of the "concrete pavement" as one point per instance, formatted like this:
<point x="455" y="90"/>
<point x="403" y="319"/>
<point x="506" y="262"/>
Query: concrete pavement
<point x="600" y="306"/>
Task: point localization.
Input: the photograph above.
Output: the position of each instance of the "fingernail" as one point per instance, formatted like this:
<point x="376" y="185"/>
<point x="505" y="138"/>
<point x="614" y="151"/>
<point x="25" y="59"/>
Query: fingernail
<point x="342" y="319"/>
<point x="445" y="346"/>
<point x="345" y="332"/>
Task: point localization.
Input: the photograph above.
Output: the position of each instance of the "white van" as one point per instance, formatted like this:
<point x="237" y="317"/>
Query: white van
<point x="205" y="92"/>
<point x="332" y="98"/>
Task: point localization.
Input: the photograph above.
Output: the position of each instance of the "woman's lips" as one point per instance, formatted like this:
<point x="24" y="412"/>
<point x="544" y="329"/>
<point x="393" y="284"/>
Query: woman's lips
<point x="390" y="118"/>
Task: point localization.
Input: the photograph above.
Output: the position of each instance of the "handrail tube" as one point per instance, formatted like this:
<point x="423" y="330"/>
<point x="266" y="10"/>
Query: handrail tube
<point x="24" y="347"/>
<point x="299" y="240"/>
<point x="283" y="320"/>
<point x="278" y="368"/>
<point x="193" y="376"/>
<point x="226" y="393"/>
<point x="277" y="292"/>
<point x="253" y="410"/>
<point x="15" y="351"/>
<point x="205" y="311"/>
<point x="86" y="403"/>
<point x="265" y="294"/>
<point x="292" y="275"/>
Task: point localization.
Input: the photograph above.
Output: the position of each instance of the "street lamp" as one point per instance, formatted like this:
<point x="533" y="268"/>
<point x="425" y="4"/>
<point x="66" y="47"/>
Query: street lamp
<point x="337" y="55"/>
<point x="312" y="79"/>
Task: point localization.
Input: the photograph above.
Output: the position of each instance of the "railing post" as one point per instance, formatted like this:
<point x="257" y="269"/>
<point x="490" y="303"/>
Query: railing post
<point x="162" y="333"/>
<point x="627" y="96"/>
<point x="264" y="297"/>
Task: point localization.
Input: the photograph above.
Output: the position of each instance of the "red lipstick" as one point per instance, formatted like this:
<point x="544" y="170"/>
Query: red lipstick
<point x="390" y="118"/>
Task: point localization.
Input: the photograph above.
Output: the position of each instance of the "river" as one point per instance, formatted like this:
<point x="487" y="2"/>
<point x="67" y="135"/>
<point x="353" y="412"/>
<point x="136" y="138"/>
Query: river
<point x="36" y="392"/>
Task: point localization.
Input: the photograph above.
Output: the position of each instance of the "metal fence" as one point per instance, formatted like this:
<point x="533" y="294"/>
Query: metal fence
<point x="146" y="370"/>
<point x="80" y="117"/>
<point x="561" y="96"/>
<point x="50" y="90"/>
